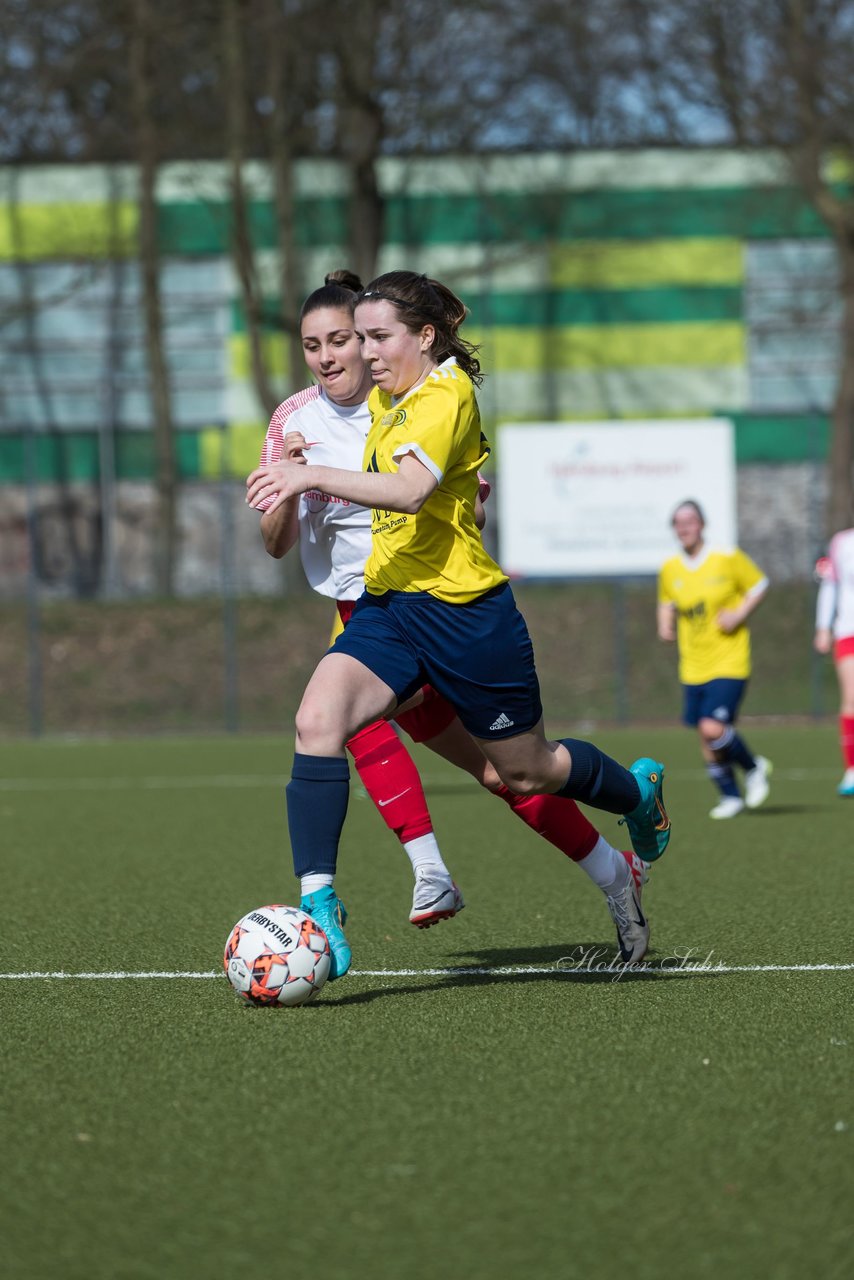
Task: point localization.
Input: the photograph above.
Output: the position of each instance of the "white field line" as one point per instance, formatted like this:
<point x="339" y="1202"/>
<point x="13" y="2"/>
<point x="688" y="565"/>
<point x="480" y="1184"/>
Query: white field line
<point x="138" y="782"/>
<point x="675" y="969"/>
<point x="154" y="782"/>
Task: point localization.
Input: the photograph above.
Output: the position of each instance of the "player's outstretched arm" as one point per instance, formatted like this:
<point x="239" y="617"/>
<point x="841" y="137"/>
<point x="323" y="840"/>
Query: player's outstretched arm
<point x="405" y="490"/>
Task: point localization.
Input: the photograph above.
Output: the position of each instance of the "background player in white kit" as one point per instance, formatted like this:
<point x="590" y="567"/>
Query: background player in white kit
<point x="834" y="629"/>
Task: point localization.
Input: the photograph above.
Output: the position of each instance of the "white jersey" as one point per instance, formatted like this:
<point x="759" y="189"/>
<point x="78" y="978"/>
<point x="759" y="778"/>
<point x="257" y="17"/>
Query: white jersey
<point x="334" y="535"/>
<point x="835" y="606"/>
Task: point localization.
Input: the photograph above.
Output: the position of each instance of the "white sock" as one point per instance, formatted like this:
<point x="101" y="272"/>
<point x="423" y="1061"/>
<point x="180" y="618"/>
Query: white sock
<point x="424" y="852"/>
<point x="606" y="867"/>
<point x="313" y="881"/>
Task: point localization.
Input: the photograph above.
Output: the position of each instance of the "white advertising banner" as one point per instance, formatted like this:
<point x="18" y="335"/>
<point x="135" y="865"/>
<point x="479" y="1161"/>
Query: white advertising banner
<point x="593" y="499"/>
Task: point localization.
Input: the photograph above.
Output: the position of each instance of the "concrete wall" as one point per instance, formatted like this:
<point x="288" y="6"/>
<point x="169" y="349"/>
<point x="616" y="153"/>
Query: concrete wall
<point x="780" y="514"/>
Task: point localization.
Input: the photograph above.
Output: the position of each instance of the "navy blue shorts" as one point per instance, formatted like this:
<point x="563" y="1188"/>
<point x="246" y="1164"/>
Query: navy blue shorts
<point x="478" y="655"/>
<point x="715" y="700"/>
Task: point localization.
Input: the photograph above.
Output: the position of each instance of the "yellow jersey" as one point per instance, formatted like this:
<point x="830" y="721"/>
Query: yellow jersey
<point x="699" y="588"/>
<point x="438" y="549"/>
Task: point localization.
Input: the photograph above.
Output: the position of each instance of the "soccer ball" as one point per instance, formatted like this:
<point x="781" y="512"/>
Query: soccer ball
<point x="276" y="955"/>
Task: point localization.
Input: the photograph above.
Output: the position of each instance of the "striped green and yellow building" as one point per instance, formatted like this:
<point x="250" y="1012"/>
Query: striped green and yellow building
<point x="637" y="284"/>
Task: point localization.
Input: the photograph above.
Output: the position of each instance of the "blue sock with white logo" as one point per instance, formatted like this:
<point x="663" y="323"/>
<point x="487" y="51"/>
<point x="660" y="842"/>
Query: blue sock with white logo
<point x="732" y="749"/>
<point x="739" y="753"/>
<point x="597" y="780"/>
<point x="723" y="778"/>
<point x="317" y="796"/>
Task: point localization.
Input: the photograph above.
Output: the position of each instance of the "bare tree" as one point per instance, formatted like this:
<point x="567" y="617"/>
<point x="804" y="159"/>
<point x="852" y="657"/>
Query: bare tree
<point x="234" y="16"/>
<point x="778" y="74"/>
<point x="276" y="72"/>
<point x="84" y="560"/>
<point x="361" y="132"/>
<point x="356" y="80"/>
<point x="820" y="71"/>
<point x="285" y="136"/>
<point x="142" y="86"/>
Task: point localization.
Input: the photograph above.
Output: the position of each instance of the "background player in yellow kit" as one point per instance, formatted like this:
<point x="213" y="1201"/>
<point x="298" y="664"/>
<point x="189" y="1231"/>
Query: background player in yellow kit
<point x="705" y="597"/>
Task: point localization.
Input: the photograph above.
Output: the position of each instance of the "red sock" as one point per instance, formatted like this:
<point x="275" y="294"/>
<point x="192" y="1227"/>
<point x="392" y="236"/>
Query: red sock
<point x="846" y="740"/>
<point x="556" y="819"/>
<point x="391" y="779"/>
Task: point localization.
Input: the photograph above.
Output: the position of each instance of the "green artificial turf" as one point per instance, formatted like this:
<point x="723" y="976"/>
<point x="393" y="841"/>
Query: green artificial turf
<point x="464" y="1126"/>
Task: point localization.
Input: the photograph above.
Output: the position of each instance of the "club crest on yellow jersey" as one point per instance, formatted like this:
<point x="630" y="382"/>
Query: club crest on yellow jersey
<point x="396" y="418"/>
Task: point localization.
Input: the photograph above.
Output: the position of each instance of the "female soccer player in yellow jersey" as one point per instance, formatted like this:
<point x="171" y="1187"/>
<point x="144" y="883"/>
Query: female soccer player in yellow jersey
<point x="705" y="597"/>
<point x="437" y="610"/>
<point x="330" y="422"/>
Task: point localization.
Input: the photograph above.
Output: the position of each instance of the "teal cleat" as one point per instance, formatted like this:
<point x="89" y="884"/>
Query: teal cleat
<point x="648" y="823"/>
<point x="846" y="786"/>
<point x="328" y="911"/>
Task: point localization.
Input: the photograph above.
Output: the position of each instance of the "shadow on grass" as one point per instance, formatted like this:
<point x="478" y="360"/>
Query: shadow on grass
<point x="588" y="963"/>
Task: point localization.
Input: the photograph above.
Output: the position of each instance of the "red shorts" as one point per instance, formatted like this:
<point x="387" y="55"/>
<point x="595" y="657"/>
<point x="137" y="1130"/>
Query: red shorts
<point x="843" y="648"/>
<point x="425" y="721"/>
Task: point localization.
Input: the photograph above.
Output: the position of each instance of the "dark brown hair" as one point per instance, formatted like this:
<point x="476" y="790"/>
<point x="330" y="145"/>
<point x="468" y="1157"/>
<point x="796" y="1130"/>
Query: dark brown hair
<point x="339" y="289"/>
<point x="695" y="506"/>
<point x="421" y="301"/>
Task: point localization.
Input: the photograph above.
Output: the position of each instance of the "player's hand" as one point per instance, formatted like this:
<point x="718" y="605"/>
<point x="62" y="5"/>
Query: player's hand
<point x="823" y="641"/>
<point x="729" y="620"/>
<point x="295" y="443"/>
<point x="276" y="480"/>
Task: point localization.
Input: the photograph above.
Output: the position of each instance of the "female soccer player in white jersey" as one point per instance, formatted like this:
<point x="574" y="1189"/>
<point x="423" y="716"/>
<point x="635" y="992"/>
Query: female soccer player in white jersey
<point x="436" y="610"/>
<point x="834" y="629"/>
<point x="705" y="597"/>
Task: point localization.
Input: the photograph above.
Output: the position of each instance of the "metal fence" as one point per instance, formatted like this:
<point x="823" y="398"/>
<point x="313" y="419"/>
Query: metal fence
<point x="233" y="662"/>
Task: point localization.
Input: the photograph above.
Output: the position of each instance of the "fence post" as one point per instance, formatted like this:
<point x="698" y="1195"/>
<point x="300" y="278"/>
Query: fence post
<point x="109" y="406"/>
<point x="35" y="672"/>
<point x="819" y="547"/>
<point x="621" y="652"/>
<point x="231" y="694"/>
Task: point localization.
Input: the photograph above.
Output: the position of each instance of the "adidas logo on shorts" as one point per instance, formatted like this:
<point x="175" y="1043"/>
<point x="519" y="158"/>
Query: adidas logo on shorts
<point x="503" y="722"/>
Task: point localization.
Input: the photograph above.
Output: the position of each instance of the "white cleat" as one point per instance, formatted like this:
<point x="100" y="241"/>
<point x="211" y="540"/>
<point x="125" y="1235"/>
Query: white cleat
<point x="632" y="924"/>
<point x="434" y="898"/>
<point x="639" y="869"/>
<point x="728" y="807"/>
<point x="756" y="785"/>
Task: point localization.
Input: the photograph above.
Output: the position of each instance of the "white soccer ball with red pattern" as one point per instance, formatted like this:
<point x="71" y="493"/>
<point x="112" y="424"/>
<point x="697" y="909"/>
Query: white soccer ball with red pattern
<point x="276" y="955"/>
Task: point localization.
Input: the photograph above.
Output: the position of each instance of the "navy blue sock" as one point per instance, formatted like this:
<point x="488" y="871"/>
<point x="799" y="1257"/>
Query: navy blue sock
<point x="723" y="778"/>
<point x="732" y="749"/>
<point x="317" y="806"/>
<point x="598" y="780"/>
<point x="739" y="753"/>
